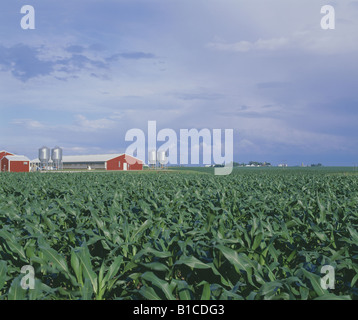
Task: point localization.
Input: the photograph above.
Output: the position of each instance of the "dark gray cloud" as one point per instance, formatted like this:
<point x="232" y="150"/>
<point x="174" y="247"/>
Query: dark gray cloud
<point x="23" y="62"/>
<point x="78" y="61"/>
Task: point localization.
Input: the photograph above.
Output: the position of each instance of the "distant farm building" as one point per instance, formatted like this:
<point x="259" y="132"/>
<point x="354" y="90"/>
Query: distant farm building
<point x="108" y="162"/>
<point x="12" y="163"/>
<point x="284" y="165"/>
<point x="4" y="153"/>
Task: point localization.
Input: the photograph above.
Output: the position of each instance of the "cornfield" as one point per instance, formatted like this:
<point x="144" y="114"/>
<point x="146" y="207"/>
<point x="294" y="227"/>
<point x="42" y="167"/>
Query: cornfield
<point x="252" y="235"/>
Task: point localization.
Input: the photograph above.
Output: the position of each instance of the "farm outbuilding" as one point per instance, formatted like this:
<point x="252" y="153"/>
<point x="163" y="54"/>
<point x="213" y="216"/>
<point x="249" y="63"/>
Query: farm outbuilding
<point x="11" y="163"/>
<point x="105" y="162"/>
<point x="121" y="161"/>
<point x="4" y="153"/>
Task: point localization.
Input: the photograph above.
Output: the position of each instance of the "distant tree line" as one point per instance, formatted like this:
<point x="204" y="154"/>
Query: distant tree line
<point x="316" y="165"/>
<point x="255" y="163"/>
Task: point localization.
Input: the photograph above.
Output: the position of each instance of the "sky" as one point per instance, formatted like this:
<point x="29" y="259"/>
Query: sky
<point x="93" y="69"/>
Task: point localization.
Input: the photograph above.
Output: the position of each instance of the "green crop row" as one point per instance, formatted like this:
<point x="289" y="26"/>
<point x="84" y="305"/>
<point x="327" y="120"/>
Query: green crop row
<point x="250" y="235"/>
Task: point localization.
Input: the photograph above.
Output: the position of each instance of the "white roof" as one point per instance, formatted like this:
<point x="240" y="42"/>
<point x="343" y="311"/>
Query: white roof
<point x="37" y="160"/>
<point x="17" y="158"/>
<point x="87" y="158"/>
<point x="90" y="158"/>
<point x="83" y="158"/>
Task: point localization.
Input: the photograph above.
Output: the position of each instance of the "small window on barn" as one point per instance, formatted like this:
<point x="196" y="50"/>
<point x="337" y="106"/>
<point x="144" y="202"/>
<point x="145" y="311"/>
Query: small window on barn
<point x="25" y="163"/>
<point x="119" y="164"/>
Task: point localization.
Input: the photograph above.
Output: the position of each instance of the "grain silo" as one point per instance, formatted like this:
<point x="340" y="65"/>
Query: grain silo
<point x="56" y="157"/>
<point x="44" y="157"/>
<point x="152" y="159"/>
<point x="162" y="158"/>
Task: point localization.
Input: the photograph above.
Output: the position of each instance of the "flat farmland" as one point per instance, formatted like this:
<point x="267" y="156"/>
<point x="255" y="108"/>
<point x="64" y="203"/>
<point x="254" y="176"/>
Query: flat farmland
<point x="182" y="234"/>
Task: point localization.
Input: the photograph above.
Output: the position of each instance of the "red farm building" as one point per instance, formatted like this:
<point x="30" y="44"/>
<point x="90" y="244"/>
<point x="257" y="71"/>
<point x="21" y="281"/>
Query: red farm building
<point x="12" y="163"/>
<point x="4" y="153"/>
<point x="112" y="162"/>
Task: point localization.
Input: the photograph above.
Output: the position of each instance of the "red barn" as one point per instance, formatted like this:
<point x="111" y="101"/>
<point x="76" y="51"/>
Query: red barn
<point x="112" y="162"/>
<point x="124" y="162"/>
<point x="15" y="164"/>
<point x="4" y="153"/>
